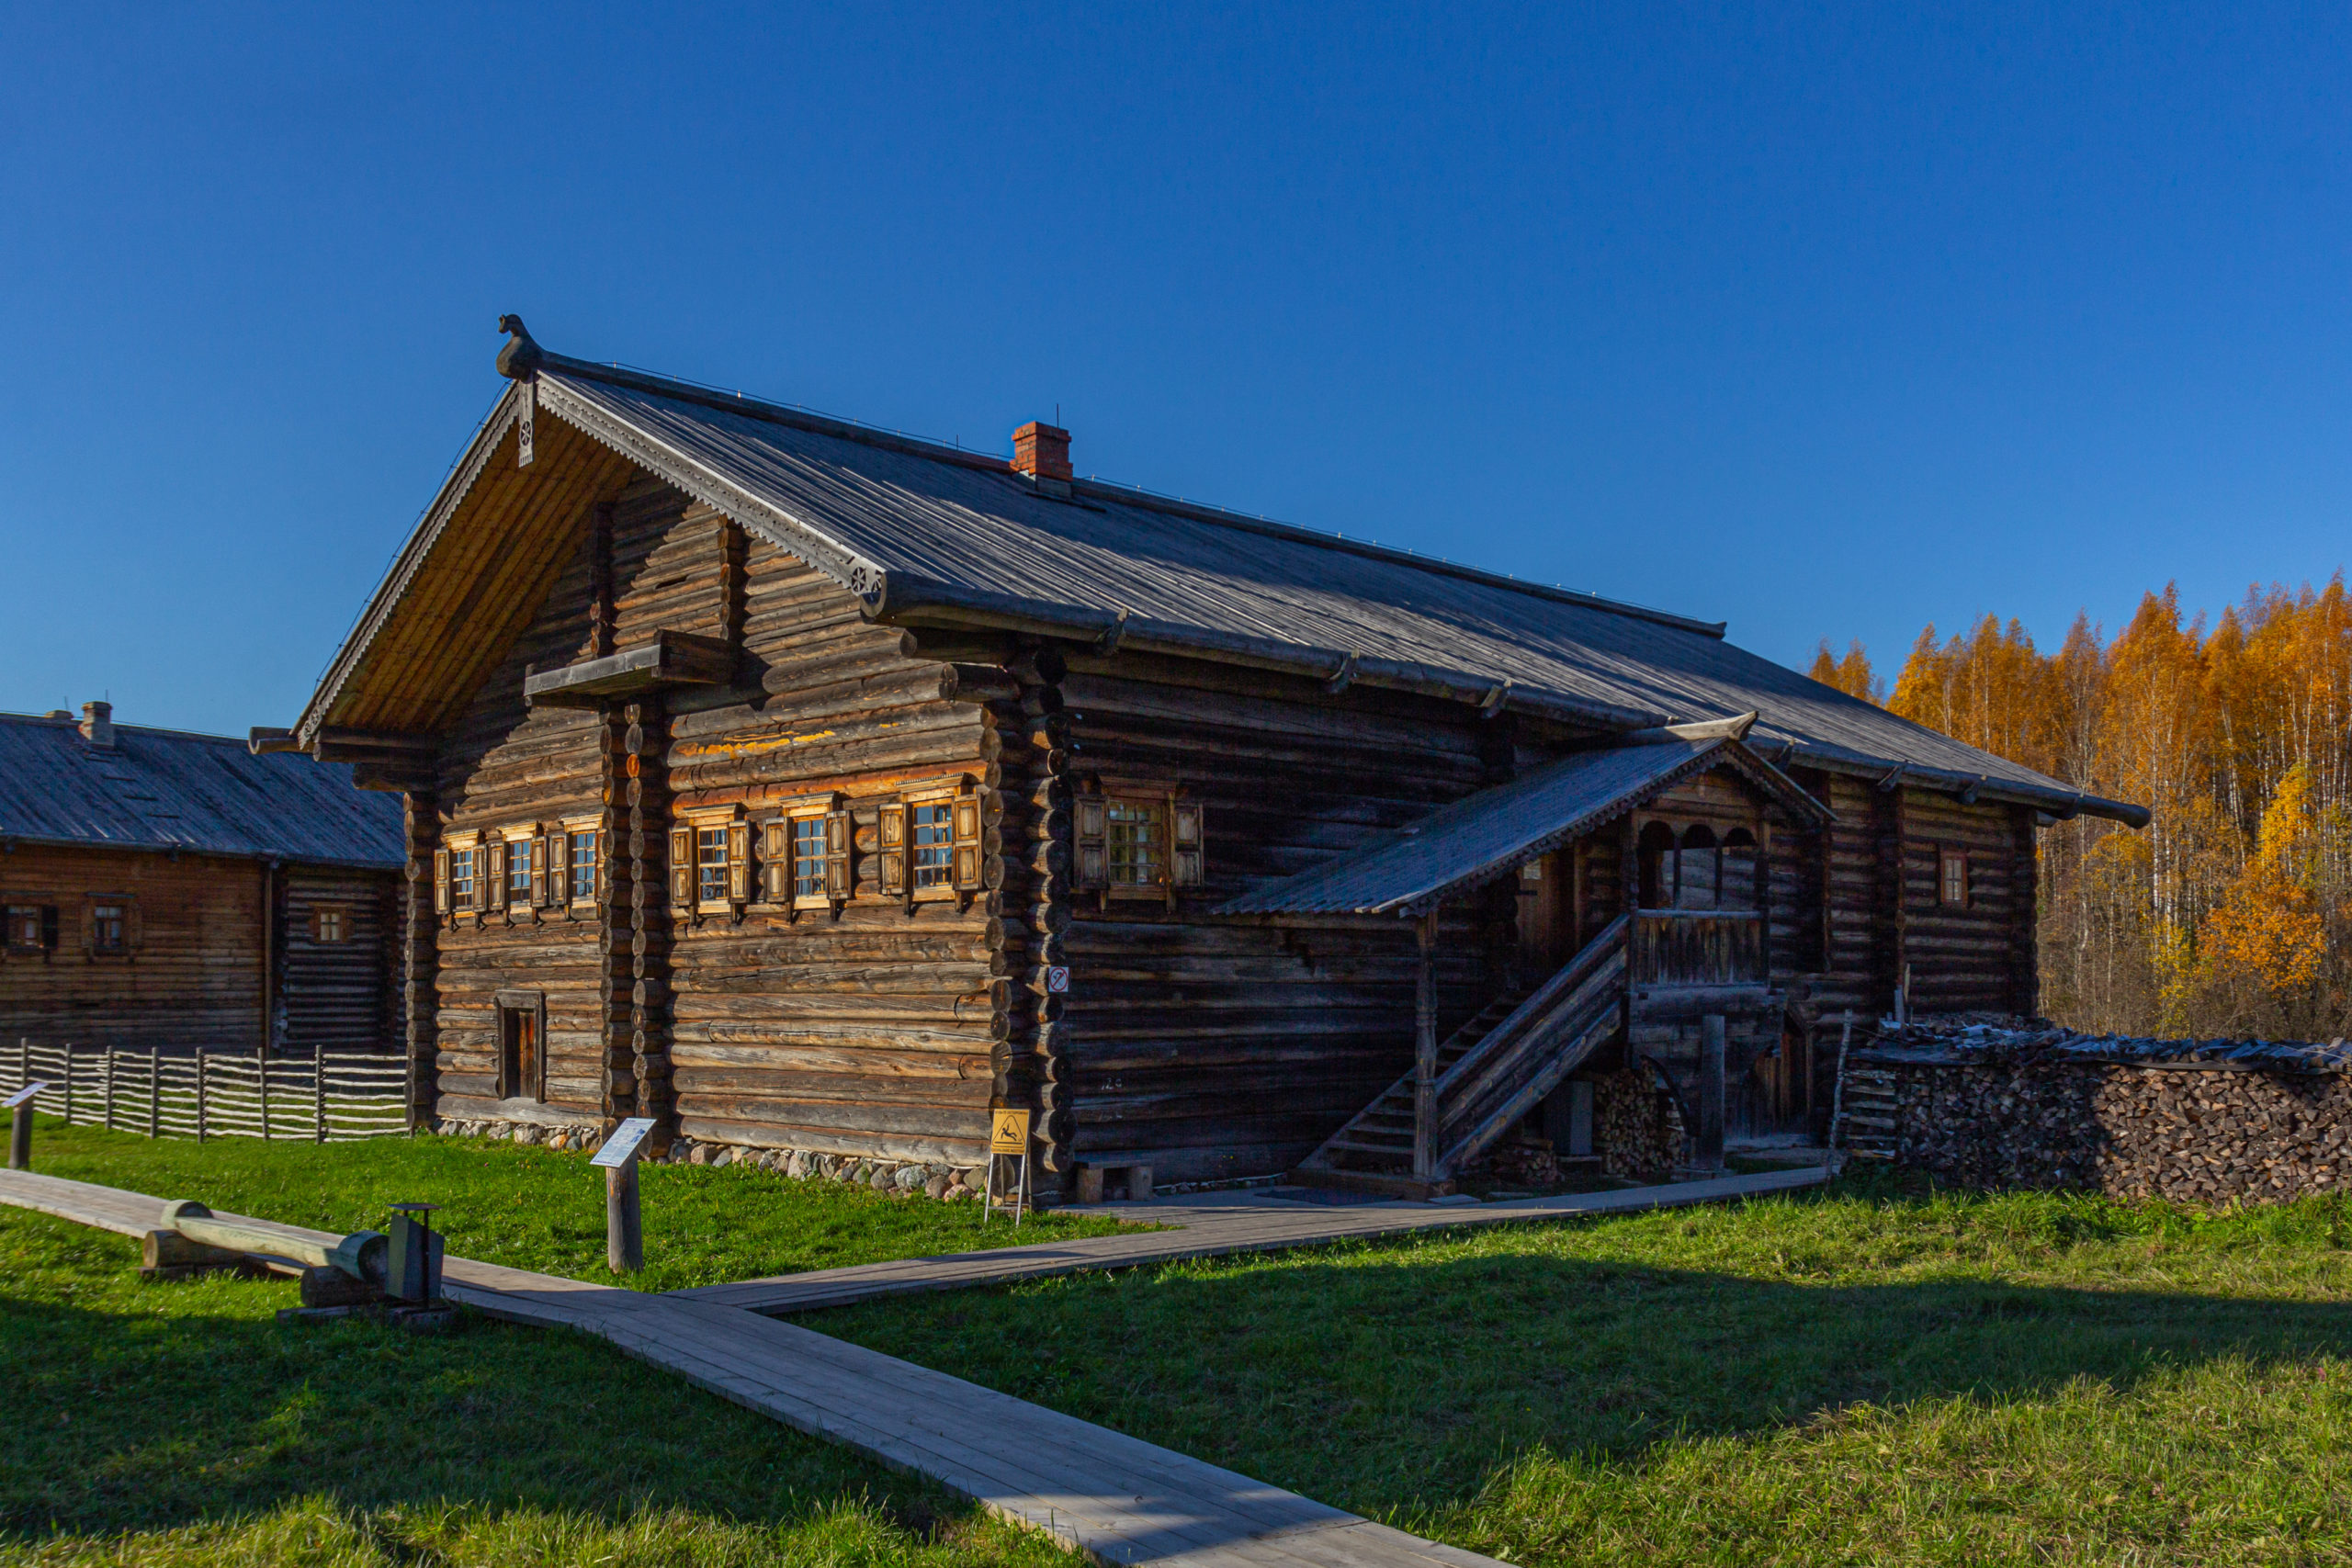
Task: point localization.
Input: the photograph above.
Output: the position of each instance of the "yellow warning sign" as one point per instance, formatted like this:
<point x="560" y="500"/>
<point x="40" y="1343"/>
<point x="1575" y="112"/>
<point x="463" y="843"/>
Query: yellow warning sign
<point x="1008" y="1132"/>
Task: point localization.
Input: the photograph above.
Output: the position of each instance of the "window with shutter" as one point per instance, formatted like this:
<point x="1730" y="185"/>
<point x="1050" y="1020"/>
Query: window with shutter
<point x="440" y="882"/>
<point x="1089" y="852"/>
<point x="892" y="835"/>
<point x="968" y="844"/>
<point x="107" y="932"/>
<point x="1189" y="866"/>
<point x="682" y="867"/>
<point x="739" y="863"/>
<point x="839" y="835"/>
<point x="24" y="928"/>
<point x="1952" y="882"/>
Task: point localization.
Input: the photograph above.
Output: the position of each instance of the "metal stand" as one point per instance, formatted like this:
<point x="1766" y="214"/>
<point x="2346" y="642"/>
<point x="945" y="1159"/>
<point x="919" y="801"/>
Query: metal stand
<point x="20" y="1137"/>
<point x="1018" y="1199"/>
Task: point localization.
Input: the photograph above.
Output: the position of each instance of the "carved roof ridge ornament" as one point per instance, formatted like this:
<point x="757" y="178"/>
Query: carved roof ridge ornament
<point x="522" y="357"/>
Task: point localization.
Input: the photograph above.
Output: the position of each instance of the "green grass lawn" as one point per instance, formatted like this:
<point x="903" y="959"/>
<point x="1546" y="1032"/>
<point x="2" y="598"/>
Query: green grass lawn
<point x="532" y="1207"/>
<point x="178" y="1423"/>
<point x="1878" y="1374"/>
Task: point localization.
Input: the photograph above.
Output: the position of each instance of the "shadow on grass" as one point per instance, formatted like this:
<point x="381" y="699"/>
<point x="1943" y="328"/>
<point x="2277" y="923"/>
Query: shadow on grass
<point x="144" y="1407"/>
<point x="1401" y="1376"/>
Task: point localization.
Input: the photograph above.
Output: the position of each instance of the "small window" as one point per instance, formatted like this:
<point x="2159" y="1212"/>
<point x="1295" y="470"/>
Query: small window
<point x="584" y="864"/>
<point x="1137" y="834"/>
<point x="329" y="922"/>
<point x="1655" y="850"/>
<point x="807" y="857"/>
<point x="710" y="866"/>
<point x="1952" y="882"/>
<point x="109" y="930"/>
<point x="461" y="879"/>
<point x="933" y="828"/>
<point x="32" y="927"/>
<point x="518" y="873"/>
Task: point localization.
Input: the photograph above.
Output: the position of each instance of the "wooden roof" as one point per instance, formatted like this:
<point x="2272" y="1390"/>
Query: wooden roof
<point x="1459" y="847"/>
<point x="929" y="534"/>
<point x="165" y="789"/>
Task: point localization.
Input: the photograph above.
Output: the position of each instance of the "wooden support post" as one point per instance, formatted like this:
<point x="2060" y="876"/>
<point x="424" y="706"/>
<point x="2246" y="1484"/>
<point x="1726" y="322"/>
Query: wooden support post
<point x="319" y="1091"/>
<point x="154" y="1091"/>
<point x="109" y="1088"/>
<point x="261" y="1079"/>
<point x="1708" y="1155"/>
<point x="624" y="1225"/>
<point x="69" y="1083"/>
<point x="1425" y="1051"/>
<point x="24" y="1060"/>
<point x="199" y="1094"/>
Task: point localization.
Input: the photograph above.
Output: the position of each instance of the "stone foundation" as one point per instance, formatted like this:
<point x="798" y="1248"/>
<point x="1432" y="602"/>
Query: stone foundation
<point x="2193" y="1122"/>
<point x="949" y="1184"/>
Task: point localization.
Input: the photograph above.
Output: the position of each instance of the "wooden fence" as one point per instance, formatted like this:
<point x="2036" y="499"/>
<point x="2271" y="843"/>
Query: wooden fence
<point x="210" y="1094"/>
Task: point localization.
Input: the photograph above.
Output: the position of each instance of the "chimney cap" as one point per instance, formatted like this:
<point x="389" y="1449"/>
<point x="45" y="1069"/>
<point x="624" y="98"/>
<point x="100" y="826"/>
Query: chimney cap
<point x="98" y="723"/>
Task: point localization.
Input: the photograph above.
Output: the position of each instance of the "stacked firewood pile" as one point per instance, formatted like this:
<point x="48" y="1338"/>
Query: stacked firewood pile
<point x="1636" y="1126"/>
<point x="2197" y="1122"/>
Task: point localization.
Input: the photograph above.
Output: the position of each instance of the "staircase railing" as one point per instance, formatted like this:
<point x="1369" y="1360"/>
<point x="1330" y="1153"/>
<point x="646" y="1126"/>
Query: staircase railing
<point x="1525" y="1057"/>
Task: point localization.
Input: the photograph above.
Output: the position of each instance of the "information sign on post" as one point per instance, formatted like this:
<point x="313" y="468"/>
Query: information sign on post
<point x="624" y="1228"/>
<point x="20" y="1126"/>
<point x="1007" y="1139"/>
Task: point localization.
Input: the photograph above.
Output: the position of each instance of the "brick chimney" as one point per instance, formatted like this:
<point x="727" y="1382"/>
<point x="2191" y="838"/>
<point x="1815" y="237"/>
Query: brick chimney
<point x="98" y="723"/>
<point x="1042" y="451"/>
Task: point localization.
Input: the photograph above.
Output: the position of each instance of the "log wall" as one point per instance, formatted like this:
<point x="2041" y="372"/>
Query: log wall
<point x="1207" y="1048"/>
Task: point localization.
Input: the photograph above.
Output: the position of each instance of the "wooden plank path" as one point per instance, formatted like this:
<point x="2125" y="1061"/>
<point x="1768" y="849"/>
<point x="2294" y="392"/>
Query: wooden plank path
<point x="1210" y="1227"/>
<point x="1113" y="1497"/>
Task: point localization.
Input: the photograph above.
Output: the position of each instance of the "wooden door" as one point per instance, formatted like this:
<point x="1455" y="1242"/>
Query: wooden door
<point x="1547" y="920"/>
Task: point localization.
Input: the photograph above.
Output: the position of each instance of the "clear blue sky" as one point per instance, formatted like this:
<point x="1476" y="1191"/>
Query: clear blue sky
<point x="1823" y="322"/>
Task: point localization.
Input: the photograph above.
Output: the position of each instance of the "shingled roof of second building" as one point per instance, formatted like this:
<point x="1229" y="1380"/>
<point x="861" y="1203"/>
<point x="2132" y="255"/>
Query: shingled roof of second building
<point x="167" y="789"/>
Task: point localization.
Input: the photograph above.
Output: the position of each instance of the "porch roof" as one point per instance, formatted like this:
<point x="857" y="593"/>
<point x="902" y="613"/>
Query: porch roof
<point x="1410" y="870"/>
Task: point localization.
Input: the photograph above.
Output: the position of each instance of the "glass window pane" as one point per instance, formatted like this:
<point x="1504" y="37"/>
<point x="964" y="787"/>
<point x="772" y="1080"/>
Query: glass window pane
<point x="933" y="831"/>
<point x="1138" y="843"/>
<point x="584" y="864"/>
<point x="710" y="862"/>
<point x="809" y="857"/>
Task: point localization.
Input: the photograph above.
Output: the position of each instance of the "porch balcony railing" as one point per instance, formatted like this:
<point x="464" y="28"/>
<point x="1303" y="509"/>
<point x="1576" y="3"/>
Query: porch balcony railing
<point x="1698" y="947"/>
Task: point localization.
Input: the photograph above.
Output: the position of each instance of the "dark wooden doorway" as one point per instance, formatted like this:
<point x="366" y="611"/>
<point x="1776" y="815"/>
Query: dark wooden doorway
<point x="522" y="1050"/>
<point x="1547" y="914"/>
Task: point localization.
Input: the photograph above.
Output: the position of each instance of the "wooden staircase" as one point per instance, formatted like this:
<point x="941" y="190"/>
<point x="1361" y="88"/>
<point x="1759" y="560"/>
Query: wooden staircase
<point x="1490" y="1072"/>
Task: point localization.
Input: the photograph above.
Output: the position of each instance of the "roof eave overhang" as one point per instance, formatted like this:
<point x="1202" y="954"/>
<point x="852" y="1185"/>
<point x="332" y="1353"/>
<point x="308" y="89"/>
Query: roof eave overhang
<point x="2060" y="802"/>
<point x="166" y="847"/>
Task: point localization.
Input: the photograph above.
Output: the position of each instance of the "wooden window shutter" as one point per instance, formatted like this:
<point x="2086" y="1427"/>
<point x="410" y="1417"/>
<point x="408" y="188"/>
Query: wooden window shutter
<point x="134" y="929"/>
<point x="893" y="836"/>
<point x="48" y="928"/>
<point x="440" y="882"/>
<point x="775" y="861"/>
<point x="738" y="861"/>
<point x="839" y="835"/>
<point x="493" y="892"/>
<point x="604" y="853"/>
<point x="555" y="868"/>
<point x="682" y="866"/>
<point x="1184" y="863"/>
<point x="1090" y="854"/>
<point x="539" y="872"/>
<point x="89" y="926"/>
<point x="967" y="843"/>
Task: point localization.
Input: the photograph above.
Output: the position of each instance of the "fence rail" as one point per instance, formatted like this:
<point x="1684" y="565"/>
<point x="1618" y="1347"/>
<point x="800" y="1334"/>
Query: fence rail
<point x="212" y="1094"/>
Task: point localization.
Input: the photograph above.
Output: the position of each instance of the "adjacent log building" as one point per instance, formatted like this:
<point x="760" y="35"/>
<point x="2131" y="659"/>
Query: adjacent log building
<point x="163" y="889"/>
<point x="803" y="786"/>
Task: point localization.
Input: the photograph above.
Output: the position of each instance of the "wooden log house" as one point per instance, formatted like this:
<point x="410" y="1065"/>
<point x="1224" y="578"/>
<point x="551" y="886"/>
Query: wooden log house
<point x="807" y="786"/>
<point x="164" y="890"/>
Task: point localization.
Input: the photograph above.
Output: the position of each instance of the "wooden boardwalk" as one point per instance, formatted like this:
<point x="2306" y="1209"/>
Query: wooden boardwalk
<point x="1210" y="1227"/>
<point x="1114" y="1498"/>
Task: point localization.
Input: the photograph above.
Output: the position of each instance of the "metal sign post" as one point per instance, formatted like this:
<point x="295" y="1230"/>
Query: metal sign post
<point x="1008" y="1138"/>
<point x="624" y="1226"/>
<point x="413" y="1261"/>
<point x="20" y="1126"/>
